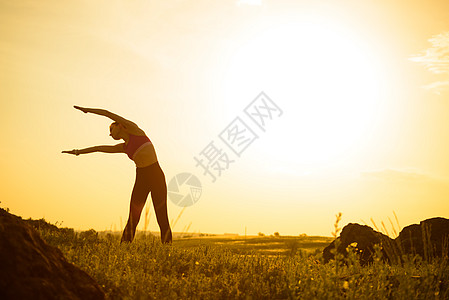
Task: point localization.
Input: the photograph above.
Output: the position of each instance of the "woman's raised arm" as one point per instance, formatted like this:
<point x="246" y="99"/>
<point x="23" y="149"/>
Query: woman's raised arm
<point x="102" y="112"/>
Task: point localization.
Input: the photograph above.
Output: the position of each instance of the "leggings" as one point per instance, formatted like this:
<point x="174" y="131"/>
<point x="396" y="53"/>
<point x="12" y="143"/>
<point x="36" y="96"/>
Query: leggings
<point x="148" y="179"/>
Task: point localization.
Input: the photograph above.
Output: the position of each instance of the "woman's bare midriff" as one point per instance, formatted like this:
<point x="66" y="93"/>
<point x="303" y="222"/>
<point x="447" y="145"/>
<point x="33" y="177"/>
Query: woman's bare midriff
<point x="146" y="156"/>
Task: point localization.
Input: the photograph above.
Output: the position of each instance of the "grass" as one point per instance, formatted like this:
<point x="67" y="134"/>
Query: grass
<point x="273" y="246"/>
<point x="239" y="268"/>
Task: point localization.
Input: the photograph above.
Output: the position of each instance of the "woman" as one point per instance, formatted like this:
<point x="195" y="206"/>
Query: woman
<point x="149" y="175"/>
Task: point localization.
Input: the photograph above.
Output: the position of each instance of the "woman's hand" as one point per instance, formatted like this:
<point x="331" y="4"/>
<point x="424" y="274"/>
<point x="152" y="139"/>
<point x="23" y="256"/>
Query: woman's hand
<point x="83" y="109"/>
<point x="74" y="152"/>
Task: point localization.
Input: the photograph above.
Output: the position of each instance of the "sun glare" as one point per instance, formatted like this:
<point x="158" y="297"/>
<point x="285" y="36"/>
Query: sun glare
<point x="327" y="83"/>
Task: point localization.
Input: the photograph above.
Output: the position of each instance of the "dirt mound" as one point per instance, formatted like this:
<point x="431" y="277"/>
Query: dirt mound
<point x="31" y="269"/>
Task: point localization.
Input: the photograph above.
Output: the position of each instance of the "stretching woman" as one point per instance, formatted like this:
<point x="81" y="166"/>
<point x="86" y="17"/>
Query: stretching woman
<point x="149" y="175"/>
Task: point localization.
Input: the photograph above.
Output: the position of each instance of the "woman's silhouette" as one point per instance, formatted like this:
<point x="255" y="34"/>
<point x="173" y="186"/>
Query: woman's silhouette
<point x="149" y="175"/>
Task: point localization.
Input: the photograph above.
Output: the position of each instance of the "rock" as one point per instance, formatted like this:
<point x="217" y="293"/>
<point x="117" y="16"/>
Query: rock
<point x="364" y="237"/>
<point x="32" y="269"/>
<point x="428" y="239"/>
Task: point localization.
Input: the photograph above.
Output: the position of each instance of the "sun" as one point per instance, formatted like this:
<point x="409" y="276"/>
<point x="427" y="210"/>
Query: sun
<point x="326" y="79"/>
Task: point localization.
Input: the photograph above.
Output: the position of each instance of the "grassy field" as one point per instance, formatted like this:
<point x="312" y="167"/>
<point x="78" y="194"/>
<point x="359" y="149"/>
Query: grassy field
<point x="244" y="268"/>
<point x="268" y="246"/>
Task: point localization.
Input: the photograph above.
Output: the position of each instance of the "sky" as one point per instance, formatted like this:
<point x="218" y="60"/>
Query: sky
<point x="359" y="119"/>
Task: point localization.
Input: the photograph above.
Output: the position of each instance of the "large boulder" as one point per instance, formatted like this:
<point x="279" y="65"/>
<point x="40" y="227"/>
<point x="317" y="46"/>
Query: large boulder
<point x="362" y="238"/>
<point x="32" y="269"/>
<point x="428" y="239"/>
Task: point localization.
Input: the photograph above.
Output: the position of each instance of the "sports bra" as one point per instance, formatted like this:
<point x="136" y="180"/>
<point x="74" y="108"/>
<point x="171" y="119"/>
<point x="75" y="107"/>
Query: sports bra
<point x="135" y="144"/>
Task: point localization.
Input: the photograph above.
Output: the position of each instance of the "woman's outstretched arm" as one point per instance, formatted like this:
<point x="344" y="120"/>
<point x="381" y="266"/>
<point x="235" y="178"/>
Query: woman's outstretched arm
<point x="106" y="149"/>
<point x="103" y="112"/>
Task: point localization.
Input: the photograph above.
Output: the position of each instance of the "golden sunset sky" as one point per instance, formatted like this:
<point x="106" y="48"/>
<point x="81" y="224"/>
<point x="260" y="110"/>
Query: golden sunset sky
<point x="363" y="87"/>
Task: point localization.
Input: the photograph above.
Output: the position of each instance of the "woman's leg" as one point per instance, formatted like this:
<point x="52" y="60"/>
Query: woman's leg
<point x="159" y="197"/>
<point x="138" y="198"/>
